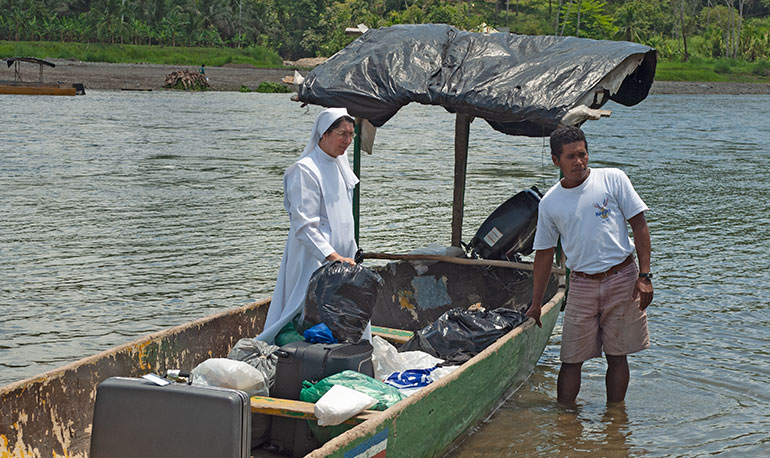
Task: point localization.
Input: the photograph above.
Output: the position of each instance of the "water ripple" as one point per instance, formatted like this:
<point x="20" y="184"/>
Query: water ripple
<point x="127" y="213"/>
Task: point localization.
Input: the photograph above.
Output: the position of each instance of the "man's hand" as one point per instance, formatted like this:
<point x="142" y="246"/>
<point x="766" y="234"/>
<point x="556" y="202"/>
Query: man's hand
<point x="643" y="290"/>
<point x="534" y="312"/>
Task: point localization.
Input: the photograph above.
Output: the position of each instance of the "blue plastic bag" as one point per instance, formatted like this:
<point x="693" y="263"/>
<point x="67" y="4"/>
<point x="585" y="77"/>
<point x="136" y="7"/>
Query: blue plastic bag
<point x="411" y="378"/>
<point x="319" y="333"/>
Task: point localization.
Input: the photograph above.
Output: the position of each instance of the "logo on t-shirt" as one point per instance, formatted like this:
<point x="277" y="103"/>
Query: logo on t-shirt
<point x="604" y="211"/>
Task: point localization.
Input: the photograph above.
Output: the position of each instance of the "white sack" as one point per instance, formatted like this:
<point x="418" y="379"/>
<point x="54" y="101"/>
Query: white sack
<point x="341" y="403"/>
<point x="228" y="373"/>
<point x="387" y="359"/>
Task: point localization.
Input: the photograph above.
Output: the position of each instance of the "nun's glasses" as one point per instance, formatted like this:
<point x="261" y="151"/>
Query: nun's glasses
<point x="346" y="135"/>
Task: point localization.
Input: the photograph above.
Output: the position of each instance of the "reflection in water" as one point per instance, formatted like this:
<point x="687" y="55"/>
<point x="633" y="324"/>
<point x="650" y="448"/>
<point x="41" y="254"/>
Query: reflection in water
<point x="531" y="423"/>
<point x="581" y="434"/>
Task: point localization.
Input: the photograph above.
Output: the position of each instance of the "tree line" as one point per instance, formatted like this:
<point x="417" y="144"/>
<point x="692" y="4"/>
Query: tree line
<point x="306" y="28"/>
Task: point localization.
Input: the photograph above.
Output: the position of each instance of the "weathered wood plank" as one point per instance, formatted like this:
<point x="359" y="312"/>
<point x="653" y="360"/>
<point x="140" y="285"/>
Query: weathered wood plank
<point x="393" y="335"/>
<point x="297" y="409"/>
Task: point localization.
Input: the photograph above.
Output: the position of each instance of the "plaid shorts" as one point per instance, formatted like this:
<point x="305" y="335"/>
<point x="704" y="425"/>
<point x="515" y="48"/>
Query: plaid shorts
<point x="601" y="315"/>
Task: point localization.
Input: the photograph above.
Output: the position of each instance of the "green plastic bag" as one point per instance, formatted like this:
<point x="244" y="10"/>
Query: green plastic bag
<point x="287" y="335"/>
<point x="385" y="395"/>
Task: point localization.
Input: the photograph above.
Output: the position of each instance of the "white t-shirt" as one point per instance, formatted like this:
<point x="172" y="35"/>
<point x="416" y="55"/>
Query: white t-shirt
<point x="591" y="220"/>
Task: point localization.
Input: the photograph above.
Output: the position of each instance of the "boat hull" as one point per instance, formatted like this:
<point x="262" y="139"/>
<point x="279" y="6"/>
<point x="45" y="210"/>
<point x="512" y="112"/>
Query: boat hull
<point x="50" y="415"/>
<point x="41" y="89"/>
<point x="428" y="422"/>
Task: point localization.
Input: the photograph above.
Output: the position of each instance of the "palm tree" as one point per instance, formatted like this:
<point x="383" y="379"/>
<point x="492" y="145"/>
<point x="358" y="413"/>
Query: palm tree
<point x="630" y="26"/>
<point x="172" y="24"/>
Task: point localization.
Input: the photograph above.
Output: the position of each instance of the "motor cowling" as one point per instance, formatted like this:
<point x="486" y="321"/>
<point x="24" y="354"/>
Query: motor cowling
<point x="510" y="229"/>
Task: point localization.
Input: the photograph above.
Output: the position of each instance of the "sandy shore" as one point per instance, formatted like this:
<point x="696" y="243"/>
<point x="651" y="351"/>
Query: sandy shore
<point x="231" y="78"/>
<point x="144" y="76"/>
<point x="679" y="87"/>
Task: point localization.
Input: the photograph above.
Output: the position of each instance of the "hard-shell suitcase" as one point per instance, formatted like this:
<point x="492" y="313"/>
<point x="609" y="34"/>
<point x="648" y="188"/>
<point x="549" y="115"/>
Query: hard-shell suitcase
<point x="299" y="361"/>
<point x="134" y="418"/>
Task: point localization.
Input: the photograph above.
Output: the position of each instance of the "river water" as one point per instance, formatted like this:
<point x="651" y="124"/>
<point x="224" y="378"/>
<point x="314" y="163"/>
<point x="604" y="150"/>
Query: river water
<point x="124" y="213"/>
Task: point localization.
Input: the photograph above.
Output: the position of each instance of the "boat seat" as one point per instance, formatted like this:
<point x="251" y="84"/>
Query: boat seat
<point x="297" y="409"/>
<point x="399" y="336"/>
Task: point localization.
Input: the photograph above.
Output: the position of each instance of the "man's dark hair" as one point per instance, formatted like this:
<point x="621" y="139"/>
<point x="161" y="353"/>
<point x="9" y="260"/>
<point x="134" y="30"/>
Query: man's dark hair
<point x="339" y="120"/>
<point x="564" y="136"/>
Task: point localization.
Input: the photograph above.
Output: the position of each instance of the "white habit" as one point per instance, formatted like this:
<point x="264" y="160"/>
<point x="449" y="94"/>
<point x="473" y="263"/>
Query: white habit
<point x="318" y="194"/>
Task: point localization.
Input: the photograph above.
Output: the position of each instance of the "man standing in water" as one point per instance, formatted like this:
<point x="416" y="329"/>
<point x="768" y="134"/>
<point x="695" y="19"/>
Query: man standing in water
<point x="608" y="295"/>
<point x="318" y="194"/>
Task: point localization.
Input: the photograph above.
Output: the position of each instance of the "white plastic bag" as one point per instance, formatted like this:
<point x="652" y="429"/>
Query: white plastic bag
<point x="387" y="359"/>
<point x="228" y="373"/>
<point x="421" y="266"/>
<point x="341" y="403"/>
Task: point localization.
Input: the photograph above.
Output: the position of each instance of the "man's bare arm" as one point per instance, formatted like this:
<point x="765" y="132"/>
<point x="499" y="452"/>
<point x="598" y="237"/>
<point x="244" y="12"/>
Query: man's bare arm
<point x="643" y="287"/>
<point x="542" y="271"/>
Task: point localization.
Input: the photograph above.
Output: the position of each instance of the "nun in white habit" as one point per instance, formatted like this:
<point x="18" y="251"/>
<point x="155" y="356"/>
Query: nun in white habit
<point x="318" y="194"/>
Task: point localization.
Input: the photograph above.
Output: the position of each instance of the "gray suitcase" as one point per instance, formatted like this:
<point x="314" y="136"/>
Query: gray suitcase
<point x="135" y="418"/>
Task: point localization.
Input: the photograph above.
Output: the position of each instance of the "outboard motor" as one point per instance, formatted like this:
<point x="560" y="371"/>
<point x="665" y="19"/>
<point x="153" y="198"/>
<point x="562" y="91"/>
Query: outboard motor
<point x="510" y="229"/>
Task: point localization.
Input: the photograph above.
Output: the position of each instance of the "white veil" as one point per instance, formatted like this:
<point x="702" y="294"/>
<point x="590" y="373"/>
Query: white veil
<point x="325" y="119"/>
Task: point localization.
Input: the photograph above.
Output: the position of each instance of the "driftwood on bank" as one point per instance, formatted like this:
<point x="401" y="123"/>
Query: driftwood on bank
<point x="186" y="79"/>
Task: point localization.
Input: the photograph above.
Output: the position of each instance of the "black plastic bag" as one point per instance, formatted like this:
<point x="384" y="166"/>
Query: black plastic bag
<point x="459" y="334"/>
<point x="342" y="297"/>
<point x="259" y="354"/>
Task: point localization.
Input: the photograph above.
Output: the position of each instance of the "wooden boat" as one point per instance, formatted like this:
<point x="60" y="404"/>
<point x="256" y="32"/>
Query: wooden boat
<point x="50" y="415"/>
<point x="36" y="87"/>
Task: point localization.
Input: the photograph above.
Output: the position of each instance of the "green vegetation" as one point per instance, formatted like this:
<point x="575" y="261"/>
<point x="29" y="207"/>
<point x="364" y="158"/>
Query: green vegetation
<point x="116" y="53"/>
<point x="696" y="39"/>
<point x="270" y="87"/>
<point x="714" y="70"/>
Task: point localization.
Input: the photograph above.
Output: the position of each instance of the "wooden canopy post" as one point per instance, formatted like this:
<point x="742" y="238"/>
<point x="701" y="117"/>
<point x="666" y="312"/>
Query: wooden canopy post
<point x="462" y="130"/>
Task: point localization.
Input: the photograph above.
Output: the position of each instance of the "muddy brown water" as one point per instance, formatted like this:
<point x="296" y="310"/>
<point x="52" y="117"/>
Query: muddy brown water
<point x="128" y="212"/>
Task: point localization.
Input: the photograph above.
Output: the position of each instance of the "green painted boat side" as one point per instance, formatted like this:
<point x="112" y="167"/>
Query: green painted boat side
<point x="50" y="415"/>
<point x="427" y="423"/>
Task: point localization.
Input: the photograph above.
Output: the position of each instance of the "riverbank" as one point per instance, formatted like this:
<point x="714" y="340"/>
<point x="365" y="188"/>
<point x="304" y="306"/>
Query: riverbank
<point x="96" y="75"/>
<point x="232" y="77"/>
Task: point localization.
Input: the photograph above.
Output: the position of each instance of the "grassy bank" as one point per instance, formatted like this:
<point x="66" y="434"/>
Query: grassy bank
<point x="713" y="70"/>
<point x="129" y="54"/>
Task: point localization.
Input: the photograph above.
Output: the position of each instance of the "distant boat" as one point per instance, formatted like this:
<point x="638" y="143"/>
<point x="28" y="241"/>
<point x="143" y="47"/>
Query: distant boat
<point x="36" y="87"/>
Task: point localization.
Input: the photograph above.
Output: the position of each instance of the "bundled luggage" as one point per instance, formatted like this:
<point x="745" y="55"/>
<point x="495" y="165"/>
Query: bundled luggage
<point x="303" y="361"/>
<point x="342" y="297"/>
<point x="460" y="334"/>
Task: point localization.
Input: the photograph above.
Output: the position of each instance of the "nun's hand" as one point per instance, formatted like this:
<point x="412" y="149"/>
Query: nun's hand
<point x="337" y="257"/>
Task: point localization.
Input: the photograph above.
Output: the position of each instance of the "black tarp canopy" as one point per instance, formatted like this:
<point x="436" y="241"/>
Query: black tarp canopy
<point x="521" y="85"/>
<point x="31" y="60"/>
